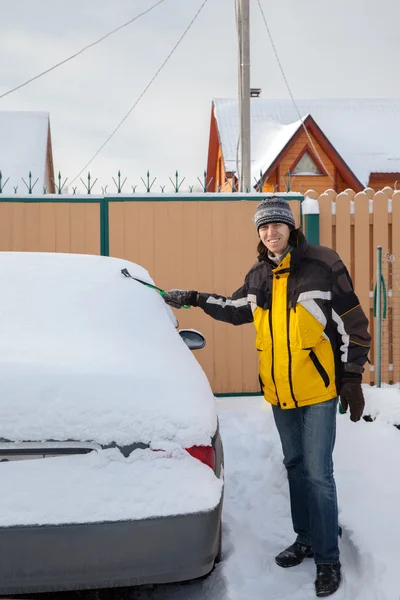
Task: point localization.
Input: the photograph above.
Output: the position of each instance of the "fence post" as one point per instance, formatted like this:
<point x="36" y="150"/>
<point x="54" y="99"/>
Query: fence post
<point x="378" y="316"/>
<point x="104" y="227"/>
<point x="310" y="212"/>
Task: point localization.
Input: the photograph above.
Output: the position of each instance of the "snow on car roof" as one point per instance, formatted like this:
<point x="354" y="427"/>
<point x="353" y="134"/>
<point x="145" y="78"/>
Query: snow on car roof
<point x="87" y="354"/>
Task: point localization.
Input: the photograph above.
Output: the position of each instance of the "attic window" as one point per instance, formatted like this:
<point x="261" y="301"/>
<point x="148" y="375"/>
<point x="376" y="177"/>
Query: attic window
<point x="306" y="166"/>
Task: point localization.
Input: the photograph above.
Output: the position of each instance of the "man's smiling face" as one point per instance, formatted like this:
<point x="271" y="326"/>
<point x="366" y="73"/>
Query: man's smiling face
<point x="275" y="236"/>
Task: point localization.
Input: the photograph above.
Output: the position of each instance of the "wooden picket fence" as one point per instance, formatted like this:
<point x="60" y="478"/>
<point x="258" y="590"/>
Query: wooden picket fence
<point x="354" y="225"/>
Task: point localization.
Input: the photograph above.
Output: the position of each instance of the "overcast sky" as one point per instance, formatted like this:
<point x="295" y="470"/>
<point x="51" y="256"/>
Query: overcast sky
<point x="328" y="48"/>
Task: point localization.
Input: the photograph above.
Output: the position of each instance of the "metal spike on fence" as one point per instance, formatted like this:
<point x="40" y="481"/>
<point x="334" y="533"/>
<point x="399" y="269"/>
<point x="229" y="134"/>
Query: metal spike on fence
<point x="162" y="187"/>
<point x="191" y="189"/>
<point x="44" y="190"/>
<point x="133" y="188"/>
<point x="74" y="190"/>
<point x="148" y="185"/>
<point x="89" y="186"/>
<point x="204" y="183"/>
<point x="59" y="186"/>
<point x="2" y="185"/>
<point x="288" y="182"/>
<point x="119" y="185"/>
<point x="259" y="182"/>
<point x="30" y="186"/>
<point x="15" y="188"/>
<point x="176" y="184"/>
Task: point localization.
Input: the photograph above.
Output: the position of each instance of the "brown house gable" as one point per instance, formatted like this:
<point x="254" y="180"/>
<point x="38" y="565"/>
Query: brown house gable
<point x="278" y="179"/>
<point x="337" y="173"/>
<point x="336" y="160"/>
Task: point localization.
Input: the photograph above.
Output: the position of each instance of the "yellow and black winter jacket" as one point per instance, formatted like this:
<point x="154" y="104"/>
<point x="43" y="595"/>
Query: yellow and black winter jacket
<point x="310" y="327"/>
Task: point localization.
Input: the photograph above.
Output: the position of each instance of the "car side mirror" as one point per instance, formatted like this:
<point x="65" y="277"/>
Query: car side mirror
<point x="194" y="340"/>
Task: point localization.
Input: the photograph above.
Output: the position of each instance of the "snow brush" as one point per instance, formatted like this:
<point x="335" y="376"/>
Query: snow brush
<point x="126" y="273"/>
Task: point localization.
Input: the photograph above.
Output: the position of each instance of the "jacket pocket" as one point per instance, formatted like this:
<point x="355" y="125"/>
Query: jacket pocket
<point x="263" y="331"/>
<point x="320" y="368"/>
<point x="305" y="330"/>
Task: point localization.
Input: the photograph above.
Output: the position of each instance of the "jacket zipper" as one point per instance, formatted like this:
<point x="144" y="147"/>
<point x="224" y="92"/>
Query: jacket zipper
<point x="272" y="353"/>
<point x="290" y="357"/>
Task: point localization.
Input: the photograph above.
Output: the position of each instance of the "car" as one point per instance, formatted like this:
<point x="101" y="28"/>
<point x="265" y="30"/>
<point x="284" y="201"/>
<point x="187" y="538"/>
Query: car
<point x="111" y="458"/>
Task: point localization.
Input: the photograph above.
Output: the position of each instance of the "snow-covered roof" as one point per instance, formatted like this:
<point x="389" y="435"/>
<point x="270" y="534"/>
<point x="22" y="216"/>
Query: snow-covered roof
<point x="365" y="132"/>
<point x="23" y="147"/>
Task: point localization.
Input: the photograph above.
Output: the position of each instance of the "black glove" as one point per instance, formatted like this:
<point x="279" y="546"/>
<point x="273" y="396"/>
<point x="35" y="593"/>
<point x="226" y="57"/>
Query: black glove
<point x="179" y="298"/>
<point x="351" y="394"/>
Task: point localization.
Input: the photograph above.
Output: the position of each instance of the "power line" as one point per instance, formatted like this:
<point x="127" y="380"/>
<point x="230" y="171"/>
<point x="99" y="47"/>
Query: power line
<point x="290" y="91"/>
<point x="81" y="51"/>
<point x="143" y="93"/>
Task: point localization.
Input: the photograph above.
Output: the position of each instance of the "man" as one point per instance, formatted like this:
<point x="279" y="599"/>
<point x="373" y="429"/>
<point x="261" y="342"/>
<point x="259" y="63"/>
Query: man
<point x="312" y="340"/>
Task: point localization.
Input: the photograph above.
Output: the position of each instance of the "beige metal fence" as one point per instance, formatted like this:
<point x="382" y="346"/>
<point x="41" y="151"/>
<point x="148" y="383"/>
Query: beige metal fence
<point x="38" y="226"/>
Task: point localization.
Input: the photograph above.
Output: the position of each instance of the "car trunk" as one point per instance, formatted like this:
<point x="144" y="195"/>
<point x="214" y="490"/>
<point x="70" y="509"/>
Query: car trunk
<point x="104" y="485"/>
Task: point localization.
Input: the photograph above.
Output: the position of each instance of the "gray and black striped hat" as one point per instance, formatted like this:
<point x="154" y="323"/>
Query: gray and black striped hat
<point x="274" y="209"/>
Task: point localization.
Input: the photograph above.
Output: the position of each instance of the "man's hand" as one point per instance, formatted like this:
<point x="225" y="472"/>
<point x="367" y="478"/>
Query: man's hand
<point x="179" y="298"/>
<point x="351" y="395"/>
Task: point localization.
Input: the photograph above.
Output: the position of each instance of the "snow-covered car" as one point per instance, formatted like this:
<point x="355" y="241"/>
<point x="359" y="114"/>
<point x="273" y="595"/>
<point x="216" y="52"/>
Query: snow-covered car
<point x="111" y="460"/>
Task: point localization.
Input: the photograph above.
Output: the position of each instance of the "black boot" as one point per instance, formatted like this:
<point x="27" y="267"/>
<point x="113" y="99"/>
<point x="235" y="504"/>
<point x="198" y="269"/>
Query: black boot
<point x="328" y="579"/>
<point x="294" y="555"/>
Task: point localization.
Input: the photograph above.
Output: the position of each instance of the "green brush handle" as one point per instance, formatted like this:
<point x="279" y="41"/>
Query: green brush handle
<point x="126" y="273"/>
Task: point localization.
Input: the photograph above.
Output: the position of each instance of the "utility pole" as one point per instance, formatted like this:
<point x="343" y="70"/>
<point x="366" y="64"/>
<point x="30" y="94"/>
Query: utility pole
<point x="244" y="94"/>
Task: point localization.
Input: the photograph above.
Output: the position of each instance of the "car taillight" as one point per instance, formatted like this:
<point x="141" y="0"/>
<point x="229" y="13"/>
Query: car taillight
<point x="206" y="454"/>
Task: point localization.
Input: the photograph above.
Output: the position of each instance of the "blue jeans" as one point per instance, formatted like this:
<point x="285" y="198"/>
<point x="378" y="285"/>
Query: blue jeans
<point x="308" y="439"/>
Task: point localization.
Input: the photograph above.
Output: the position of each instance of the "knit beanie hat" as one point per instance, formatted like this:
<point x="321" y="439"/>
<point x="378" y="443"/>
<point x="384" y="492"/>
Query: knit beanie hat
<point x="274" y="209"/>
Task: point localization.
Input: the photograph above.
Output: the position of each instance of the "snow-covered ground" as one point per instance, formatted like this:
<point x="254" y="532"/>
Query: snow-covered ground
<point x="257" y="521"/>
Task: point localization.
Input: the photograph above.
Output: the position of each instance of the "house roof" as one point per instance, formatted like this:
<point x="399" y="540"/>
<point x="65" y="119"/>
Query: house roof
<point x="365" y="132"/>
<point x="23" y="148"/>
